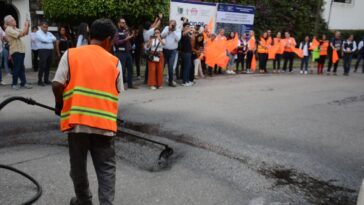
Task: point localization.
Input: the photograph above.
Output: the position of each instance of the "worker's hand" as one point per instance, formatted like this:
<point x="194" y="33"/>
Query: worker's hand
<point x="58" y="108"/>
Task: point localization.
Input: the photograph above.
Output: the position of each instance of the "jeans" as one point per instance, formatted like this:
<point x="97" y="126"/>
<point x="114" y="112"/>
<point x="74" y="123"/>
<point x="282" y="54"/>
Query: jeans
<point x="358" y="60"/>
<point x="186" y="67"/>
<point x="335" y="64"/>
<point x="102" y="150"/>
<point x="169" y="57"/>
<point x="127" y="64"/>
<point x="240" y="60"/>
<point x="348" y="57"/>
<point x="6" y="60"/>
<point x="304" y="63"/>
<point x="19" y="69"/>
<point x="288" y="56"/>
<point x="263" y="58"/>
<point x="1" y="59"/>
<point x="35" y="60"/>
<point x="249" y="58"/>
<point x="45" y="61"/>
<point x="277" y="62"/>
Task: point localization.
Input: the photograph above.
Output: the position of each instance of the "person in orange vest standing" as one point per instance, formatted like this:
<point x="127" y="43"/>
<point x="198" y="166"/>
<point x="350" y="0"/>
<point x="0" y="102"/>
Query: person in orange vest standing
<point x="251" y="51"/>
<point x="288" y="54"/>
<point x="263" y="52"/>
<point x="323" y="47"/>
<point x="278" y="42"/>
<point x="86" y="89"/>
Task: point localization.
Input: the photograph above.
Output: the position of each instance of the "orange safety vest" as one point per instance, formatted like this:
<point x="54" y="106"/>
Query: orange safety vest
<point x="289" y="44"/>
<point x="251" y="44"/>
<point x="280" y="47"/>
<point x="91" y="95"/>
<point x="323" y="48"/>
<point x="262" y="46"/>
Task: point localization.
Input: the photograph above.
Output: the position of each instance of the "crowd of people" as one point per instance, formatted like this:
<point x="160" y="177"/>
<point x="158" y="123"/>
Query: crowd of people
<point x="188" y="53"/>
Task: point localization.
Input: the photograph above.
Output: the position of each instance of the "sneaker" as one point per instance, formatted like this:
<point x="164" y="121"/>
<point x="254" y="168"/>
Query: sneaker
<point x="171" y="85"/>
<point x="2" y="83"/>
<point x="26" y="86"/>
<point x="186" y="84"/>
<point x="306" y="72"/>
<point x="248" y="71"/>
<point x="233" y="73"/>
<point x="301" y="72"/>
<point x="47" y="82"/>
<point x="41" y="84"/>
<point x="160" y="87"/>
<point x="152" y="87"/>
<point x="15" y="87"/>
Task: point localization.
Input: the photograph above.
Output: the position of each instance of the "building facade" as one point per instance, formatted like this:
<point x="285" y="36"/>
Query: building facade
<point x="344" y="14"/>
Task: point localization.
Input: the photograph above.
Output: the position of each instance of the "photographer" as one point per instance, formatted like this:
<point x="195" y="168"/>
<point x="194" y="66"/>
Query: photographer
<point x="148" y="31"/>
<point x="172" y="36"/>
<point x="155" y="60"/>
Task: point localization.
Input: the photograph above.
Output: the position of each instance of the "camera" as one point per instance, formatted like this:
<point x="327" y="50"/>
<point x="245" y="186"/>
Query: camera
<point x="159" y="16"/>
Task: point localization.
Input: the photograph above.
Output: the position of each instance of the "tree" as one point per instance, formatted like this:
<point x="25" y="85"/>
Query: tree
<point x="76" y="11"/>
<point x="297" y="16"/>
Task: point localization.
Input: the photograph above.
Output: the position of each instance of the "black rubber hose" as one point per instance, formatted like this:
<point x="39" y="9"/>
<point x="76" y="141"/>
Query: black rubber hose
<point x="39" y="188"/>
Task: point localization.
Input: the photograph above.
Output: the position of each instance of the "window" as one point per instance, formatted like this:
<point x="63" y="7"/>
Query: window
<point x="344" y="1"/>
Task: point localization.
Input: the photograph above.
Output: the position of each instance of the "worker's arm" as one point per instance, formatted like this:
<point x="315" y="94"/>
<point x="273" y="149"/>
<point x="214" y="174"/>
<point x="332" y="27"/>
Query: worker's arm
<point x="58" y="89"/>
<point x="60" y="80"/>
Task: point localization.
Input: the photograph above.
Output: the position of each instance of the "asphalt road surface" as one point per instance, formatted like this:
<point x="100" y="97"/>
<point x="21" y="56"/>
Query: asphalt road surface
<point x="245" y="139"/>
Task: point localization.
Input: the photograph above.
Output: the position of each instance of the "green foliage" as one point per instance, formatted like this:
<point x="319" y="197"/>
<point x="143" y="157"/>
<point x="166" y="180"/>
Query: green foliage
<point x="76" y="11"/>
<point x="296" y="16"/>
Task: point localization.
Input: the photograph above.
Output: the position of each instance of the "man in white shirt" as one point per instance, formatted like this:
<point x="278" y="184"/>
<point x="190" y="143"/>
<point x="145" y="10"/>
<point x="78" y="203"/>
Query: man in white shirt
<point x="44" y="40"/>
<point x="172" y="37"/>
<point x="34" y="48"/>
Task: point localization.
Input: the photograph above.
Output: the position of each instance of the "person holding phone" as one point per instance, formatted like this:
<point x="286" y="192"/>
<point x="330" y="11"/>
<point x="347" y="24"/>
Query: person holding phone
<point x="155" y="60"/>
<point x="172" y="36"/>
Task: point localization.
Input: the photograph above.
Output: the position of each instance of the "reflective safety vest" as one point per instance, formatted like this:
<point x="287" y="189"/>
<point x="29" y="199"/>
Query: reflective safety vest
<point x="279" y="45"/>
<point x="289" y="44"/>
<point x="263" y="46"/>
<point x="91" y="95"/>
<point x="323" y="48"/>
<point x="251" y="44"/>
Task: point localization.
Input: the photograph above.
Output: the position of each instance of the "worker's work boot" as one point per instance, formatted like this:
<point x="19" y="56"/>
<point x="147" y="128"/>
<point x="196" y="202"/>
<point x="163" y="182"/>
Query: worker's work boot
<point x="75" y="201"/>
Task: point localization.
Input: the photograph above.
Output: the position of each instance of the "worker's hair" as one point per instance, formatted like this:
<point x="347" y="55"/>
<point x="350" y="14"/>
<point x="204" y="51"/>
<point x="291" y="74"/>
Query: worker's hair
<point x="7" y="18"/>
<point x="102" y="28"/>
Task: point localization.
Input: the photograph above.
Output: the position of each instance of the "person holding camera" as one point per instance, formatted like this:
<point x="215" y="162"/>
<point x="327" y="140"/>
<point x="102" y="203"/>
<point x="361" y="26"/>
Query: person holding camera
<point x="172" y="36"/>
<point x="123" y="52"/>
<point x="155" y="60"/>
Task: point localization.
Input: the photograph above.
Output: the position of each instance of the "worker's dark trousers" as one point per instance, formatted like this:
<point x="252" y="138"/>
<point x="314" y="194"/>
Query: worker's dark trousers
<point x="103" y="157"/>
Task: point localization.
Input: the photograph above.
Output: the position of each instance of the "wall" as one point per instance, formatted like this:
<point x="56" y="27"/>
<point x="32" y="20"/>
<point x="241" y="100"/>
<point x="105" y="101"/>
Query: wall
<point x="23" y="13"/>
<point x="344" y="16"/>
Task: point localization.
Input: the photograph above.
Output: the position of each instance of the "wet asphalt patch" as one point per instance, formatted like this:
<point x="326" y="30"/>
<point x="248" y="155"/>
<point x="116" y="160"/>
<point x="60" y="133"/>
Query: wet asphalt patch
<point x="314" y="190"/>
<point x="348" y="100"/>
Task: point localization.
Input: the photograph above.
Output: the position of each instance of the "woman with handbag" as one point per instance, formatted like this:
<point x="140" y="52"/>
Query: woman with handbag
<point x="155" y="60"/>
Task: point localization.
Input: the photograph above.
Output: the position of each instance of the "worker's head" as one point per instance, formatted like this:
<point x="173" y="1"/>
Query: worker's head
<point x="287" y="34"/>
<point x="337" y="34"/>
<point x="269" y="32"/>
<point x="122" y="23"/>
<point x="307" y="38"/>
<point x="243" y="36"/>
<point x="264" y="35"/>
<point x="9" y="20"/>
<point x="279" y="35"/>
<point x="34" y="29"/>
<point x="351" y="37"/>
<point x="251" y="33"/>
<point x="323" y="37"/>
<point x="222" y="32"/>
<point x="44" y="26"/>
<point x="103" y="32"/>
